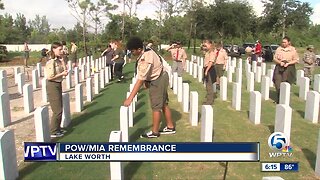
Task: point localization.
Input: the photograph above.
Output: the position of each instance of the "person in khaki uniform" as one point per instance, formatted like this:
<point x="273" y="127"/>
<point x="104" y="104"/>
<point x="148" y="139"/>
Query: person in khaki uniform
<point x="209" y="71"/>
<point x="285" y="59"/>
<point x="221" y="57"/>
<point x="309" y="59"/>
<point x="179" y="57"/>
<point x="55" y="70"/>
<point x="150" y="71"/>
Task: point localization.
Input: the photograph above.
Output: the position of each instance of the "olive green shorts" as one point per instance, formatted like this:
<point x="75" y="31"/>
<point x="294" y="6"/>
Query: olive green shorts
<point x="158" y="92"/>
<point x="219" y="69"/>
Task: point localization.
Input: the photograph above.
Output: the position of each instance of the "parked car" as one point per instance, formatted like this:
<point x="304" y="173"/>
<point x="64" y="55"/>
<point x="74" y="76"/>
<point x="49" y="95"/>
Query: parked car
<point x="268" y="51"/>
<point x="3" y="52"/>
<point x="318" y="60"/>
<point x="244" y="46"/>
<point x="232" y="50"/>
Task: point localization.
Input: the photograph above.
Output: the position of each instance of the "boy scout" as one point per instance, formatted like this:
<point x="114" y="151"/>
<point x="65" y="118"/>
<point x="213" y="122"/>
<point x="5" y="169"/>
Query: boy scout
<point x="209" y="71"/>
<point x="221" y="57"/>
<point x="150" y="70"/>
<point x="55" y="70"/>
<point x="179" y="57"/>
<point x="285" y="59"/>
<point x="309" y="60"/>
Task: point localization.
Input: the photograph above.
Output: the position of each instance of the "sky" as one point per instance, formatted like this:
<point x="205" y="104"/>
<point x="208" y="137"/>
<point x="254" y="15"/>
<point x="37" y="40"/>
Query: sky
<point x="59" y="14"/>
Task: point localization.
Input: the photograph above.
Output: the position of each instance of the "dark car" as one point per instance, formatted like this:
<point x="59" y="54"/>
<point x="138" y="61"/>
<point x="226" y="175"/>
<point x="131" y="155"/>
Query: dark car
<point x="232" y="50"/>
<point x="242" y="50"/>
<point x="268" y="51"/>
<point x="3" y="52"/>
<point x="318" y="60"/>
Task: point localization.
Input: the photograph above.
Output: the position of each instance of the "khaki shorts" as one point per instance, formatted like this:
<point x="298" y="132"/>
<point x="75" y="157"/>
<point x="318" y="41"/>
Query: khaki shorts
<point x="219" y="69"/>
<point x="158" y="92"/>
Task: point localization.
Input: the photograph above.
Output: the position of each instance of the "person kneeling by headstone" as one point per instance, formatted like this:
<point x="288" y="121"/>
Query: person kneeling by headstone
<point x="151" y="72"/>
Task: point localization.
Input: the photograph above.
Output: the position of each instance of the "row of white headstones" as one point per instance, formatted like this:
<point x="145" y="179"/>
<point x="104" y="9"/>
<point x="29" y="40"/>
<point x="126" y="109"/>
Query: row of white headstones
<point x="87" y="68"/>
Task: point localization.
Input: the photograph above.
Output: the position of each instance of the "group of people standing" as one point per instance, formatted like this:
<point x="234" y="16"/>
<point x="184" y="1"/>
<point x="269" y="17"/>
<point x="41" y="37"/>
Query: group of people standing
<point x="115" y="54"/>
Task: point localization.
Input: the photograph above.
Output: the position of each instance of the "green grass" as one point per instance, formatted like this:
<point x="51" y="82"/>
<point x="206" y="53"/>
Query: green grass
<point x="102" y="116"/>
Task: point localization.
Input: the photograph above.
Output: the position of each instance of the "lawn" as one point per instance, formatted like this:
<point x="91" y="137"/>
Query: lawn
<point x="102" y="116"/>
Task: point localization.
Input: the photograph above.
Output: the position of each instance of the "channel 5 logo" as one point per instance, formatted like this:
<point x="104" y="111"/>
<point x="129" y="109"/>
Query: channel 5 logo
<point x="34" y="151"/>
<point x="279" y="142"/>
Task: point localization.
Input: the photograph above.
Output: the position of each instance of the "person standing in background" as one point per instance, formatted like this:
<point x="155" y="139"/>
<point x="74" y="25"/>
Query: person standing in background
<point x="309" y="59"/>
<point x="26" y="50"/>
<point x="74" y="54"/>
<point x="285" y="59"/>
<point x="65" y="52"/>
<point x="108" y="53"/>
<point x="55" y="70"/>
<point x="118" y="59"/>
<point x="220" y="58"/>
<point x="258" y="52"/>
<point x="209" y="71"/>
<point x="179" y="57"/>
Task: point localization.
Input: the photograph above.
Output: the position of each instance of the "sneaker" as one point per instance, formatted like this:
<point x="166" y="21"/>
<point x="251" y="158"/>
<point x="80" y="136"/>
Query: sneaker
<point x="55" y="135"/>
<point x="167" y="130"/>
<point x="149" y="134"/>
<point x="119" y="80"/>
<point x="62" y="131"/>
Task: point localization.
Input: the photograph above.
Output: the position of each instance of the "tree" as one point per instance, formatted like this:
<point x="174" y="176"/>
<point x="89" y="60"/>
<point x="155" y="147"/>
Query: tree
<point x="22" y="31"/>
<point x="1" y="5"/>
<point x="282" y="14"/>
<point x="132" y="5"/>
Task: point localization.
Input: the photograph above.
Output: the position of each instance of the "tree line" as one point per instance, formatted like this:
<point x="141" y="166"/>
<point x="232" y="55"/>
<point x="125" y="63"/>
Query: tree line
<point x="190" y="21"/>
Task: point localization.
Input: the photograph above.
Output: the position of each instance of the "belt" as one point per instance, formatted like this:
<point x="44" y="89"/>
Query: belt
<point x="54" y="81"/>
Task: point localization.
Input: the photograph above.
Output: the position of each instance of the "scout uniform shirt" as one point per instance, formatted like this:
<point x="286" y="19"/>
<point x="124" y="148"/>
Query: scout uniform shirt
<point x="309" y="59"/>
<point x="209" y="56"/>
<point x="149" y="66"/>
<point x="222" y="56"/>
<point x="286" y="54"/>
<point x="54" y="67"/>
<point x="178" y="54"/>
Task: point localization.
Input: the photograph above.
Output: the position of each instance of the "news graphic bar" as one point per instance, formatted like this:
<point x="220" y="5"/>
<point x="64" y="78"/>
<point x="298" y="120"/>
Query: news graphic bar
<point x="280" y="167"/>
<point x="163" y="152"/>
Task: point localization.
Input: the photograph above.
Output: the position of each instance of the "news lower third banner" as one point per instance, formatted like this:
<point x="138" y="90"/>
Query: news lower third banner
<point x="164" y="152"/>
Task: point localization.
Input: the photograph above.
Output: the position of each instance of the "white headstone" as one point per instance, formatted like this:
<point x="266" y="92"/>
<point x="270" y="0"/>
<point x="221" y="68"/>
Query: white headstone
<point x="239" y="75"/>
<point x="185" y="99"/>
<point x="70" y="66"/>
<point x="175" y="83"/>
<point x="304" y="87"/>
<point x="130" y="112"/>
<point x="170" y="78"/>
<point x="273" y="66"/>
<point x="265" y="87"/>
<point x="3" y="85"/>
<point x="250" y="82"/>
<point x="96" y="83"/>
<point x="39" y="68"/>
<point x="44" y="90"/>
<point x="124" y="120"/>
<point x="180" y="89"/>
<point x="223" y="88"/>
<point x="89" y="89"/>
<point x="76" y="75"/>
<point x="236" y="96"/>
<point x="35" y="79"/>
<point x="187" y="65"/>
<point x="255" y="107"/>
<point x="5" y="113"/>
<point x="254" y="66"/>
<point x="83" y="72"/>
<point x="8" y="156"/>
<point x="258" y="74"/>
<point x="285" y="93"/>
<point x="316" y="83"/>
<point x="79" y="97"/>
<point x="312" y="106"/>
<point x="263" y="69"/>
<point x="300" y="74"/>
<point x="66" y="113"/>
<point x="193" y="116"/>
<point x="283" y="119"/>
<point x="200" y="74"/>
<point x="17" y="70"/>
<point x="88" y="68"/>
<point x="28" y="98"/>
<point x="270" y="75"/>
<point x="229" y="75"/>
<point x="106" y="75"/>
<point x="191" y="68"/>
<point x="206" y="123"/>
<point x="195" y="70"/>
<point x="21" y="82"/>
<point x="41" y="122"/>
<point x="102" y="78"/>
<point x="116" y="170"/>
<point x="68" y="80"/>
<point x="272" y="178"/>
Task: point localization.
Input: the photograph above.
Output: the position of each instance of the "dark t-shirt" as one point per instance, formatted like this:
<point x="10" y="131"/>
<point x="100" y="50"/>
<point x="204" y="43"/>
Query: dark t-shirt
<point x="120" y="59"/>
<point x="109" y="54"/>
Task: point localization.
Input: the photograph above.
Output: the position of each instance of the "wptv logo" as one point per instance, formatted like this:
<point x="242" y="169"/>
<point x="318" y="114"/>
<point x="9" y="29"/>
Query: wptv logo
<point x="279" y="142"/>
<point x="34" y="151"/>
